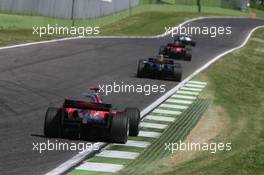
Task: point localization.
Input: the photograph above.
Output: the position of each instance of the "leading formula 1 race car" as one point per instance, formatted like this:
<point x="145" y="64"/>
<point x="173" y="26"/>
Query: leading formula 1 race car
<point x="159" y="68"/>
<point x="185" y="40"/>
<point x="177" y="51"/>
<point x="93" y="120"/>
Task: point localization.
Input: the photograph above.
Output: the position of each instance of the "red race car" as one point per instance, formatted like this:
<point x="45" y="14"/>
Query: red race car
<point x="177" y="51"/>
<point x="95" y="121"/>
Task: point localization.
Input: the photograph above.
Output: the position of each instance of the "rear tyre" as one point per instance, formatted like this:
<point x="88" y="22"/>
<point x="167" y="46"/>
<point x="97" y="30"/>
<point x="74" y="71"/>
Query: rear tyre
<point x="193" y="43"/>
<point x="133" y="115"/>
<point x="119" y="128"/>
<point x="52" y="126"/>
<point x="162" y="49"/>
<point x="188" y="56"/>
<point x="140" y="70"/>
<point x="177" y="76"/>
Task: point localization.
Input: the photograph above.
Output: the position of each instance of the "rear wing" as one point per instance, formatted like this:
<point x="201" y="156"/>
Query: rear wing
<point x="87" y="105"/>
<point x="166" y="60"/>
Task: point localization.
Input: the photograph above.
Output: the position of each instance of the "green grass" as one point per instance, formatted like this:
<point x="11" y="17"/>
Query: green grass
<point x="151" y="23"/>
<point x="142" y="20"/>
<point x="239" y="91"/>
<point x="216" y="3"/>
<point x="84" y="172"/>
<point x="15" y="36"/>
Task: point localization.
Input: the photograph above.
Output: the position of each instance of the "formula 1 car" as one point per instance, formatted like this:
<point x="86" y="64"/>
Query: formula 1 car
<point x="177" y="51"/>
<point x="93" y="120"/>
<point x="159" y="68"/>
<point x="185" y="40"/>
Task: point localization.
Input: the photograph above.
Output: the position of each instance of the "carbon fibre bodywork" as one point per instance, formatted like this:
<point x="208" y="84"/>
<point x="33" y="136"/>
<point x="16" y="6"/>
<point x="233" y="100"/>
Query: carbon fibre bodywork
<point x="155" y="68"/>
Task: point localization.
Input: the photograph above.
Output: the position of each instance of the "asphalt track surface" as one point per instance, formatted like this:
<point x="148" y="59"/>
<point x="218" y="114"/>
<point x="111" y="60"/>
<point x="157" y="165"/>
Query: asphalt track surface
<point x="35" y="77"/>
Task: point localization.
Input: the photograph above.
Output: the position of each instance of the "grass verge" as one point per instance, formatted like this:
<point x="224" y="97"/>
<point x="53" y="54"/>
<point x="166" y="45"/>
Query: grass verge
<point x="239" y="91"/>
<point x="142" y="20"/>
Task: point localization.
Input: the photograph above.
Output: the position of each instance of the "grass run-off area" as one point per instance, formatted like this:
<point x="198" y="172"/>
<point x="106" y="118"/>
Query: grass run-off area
<point x="141" y="20"/>
<point x="236" y="85"/>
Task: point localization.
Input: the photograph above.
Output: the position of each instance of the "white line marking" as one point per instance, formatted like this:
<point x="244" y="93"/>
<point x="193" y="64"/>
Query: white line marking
<point x="153" y="125"/>
<point x="77" y="158"/>
<point x="191" y="89"/>
<point x="187" y="102"/>
<point x="197" y="82"/>
<point x="194" y="85"/>
<point x="102" y="167"/>
<point x="134" y="143"/>
<point x="184" y="97"/>
<point x="160" y="118"/>
<point x="173" y="106"/>
<point x="118" y="154"/>
<point x="164" y="111"/>
<point x="187" y="92"/>
<point x="150" y="134"/>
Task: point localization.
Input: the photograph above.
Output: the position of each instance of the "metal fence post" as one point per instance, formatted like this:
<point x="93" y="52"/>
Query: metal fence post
<point x="72" y="13"/>
<point x="199" y="6"/>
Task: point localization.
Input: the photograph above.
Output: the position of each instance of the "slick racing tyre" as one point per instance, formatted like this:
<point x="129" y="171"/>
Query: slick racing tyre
<point x="119" y="128"/>
<point x="133" y="115"/>
<point x="162" y="49"/>
<point x="188" y="56"/>
<point x="177" y="74"/>
<point x="140" y="70"/>
<point x="52" y="126"/>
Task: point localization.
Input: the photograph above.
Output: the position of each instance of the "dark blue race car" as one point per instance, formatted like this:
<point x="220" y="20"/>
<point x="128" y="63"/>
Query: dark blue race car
<point x="159" y="68"/>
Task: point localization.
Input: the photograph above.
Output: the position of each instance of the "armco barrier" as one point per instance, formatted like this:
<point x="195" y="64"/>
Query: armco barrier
<point x="81" y="9"/>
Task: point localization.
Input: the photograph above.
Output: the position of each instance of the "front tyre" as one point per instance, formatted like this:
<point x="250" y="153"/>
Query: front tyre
<point x="162" y="49"/>
<point x="52" y="125"/>
<point x="140" y="70"/>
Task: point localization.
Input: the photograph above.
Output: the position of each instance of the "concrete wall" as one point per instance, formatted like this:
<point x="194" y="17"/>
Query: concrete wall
<point x="63" y="8"/>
